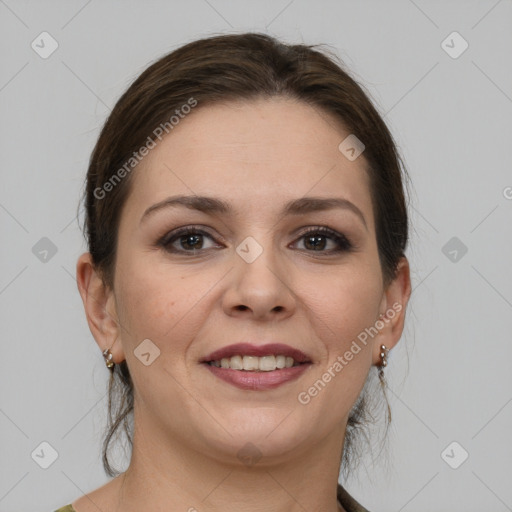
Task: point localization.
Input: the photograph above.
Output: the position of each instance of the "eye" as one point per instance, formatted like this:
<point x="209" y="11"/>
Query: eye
<point x="191" y="239"/>
<point x="315" y="240"/>
<point x="188" y="239"/>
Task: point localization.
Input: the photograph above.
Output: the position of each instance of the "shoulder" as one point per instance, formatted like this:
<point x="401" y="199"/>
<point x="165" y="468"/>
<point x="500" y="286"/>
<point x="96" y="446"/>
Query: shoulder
<point x="348" y="502"/>
<point x="102" y="499"/>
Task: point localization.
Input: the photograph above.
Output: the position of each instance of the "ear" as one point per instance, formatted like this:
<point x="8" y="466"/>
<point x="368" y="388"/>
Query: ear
<point x="392" y="311"/>
<point x="100" y="307"/>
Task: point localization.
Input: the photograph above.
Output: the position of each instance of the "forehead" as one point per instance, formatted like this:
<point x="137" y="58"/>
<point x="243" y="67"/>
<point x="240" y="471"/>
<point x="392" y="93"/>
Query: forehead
<point x="254" y="153"/>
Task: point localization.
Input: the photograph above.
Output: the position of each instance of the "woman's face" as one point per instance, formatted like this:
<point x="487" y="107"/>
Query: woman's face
<point x="251" y="275"/>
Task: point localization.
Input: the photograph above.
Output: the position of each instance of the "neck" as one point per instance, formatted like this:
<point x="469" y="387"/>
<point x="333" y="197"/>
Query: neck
<point x="166" y="474"/>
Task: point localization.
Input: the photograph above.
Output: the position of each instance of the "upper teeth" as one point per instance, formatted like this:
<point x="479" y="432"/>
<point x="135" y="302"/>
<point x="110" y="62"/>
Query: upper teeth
<point x="253" y="363"/>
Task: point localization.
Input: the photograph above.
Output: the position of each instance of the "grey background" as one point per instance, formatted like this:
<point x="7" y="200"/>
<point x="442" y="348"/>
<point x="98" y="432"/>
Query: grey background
<point x="452" y="120"/>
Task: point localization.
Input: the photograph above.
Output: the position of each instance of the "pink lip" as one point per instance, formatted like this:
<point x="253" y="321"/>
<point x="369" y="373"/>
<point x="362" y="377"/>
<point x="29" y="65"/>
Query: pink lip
<point x="258" y="381"/>
<point x="248" y="349"/>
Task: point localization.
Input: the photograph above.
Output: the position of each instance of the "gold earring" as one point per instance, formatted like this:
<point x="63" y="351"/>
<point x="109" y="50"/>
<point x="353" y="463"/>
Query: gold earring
<point x="108" y="358"/>
<point x="383" y="360"/>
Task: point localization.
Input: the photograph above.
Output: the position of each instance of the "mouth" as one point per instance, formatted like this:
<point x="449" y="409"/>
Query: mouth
<point x="255" y="364"/>
<point x="256" y="367"/>
<point x="250" y="357"/>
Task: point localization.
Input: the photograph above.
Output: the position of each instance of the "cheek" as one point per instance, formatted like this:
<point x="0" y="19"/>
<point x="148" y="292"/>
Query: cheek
<point x="151" y="307"/>
<point x="159" y="302"/>
<point x="145" y="299"/>
<point x="350" y="306"/>
<point x="346" y="303"/>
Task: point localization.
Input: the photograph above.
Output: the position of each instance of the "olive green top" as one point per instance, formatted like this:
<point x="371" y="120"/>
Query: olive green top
<point x="347" y="502"/>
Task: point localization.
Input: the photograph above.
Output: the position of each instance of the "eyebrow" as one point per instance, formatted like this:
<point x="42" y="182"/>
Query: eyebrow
<point x="212" y="205"/>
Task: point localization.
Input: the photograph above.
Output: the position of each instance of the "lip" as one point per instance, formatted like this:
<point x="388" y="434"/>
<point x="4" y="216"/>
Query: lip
<point x="258" y="381"/>
<point x="249" y="349"/>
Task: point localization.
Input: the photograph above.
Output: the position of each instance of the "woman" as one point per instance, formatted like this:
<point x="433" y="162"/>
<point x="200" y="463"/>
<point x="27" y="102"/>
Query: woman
<point x="245" y="279"/>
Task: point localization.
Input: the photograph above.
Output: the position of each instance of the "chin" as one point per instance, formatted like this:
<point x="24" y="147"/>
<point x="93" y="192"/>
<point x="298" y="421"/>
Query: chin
<point x="260" y="435"/>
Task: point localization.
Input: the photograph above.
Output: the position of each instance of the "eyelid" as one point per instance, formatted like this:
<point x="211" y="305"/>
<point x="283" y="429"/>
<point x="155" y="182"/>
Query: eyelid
<point x="184" y="230"/>
<point x="344" y="243"/>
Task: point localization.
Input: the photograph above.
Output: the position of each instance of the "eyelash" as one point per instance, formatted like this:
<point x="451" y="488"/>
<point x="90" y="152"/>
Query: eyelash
<point x="344" y="244"/>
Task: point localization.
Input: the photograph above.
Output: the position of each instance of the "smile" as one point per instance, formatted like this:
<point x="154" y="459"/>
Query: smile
<point x="257" y="367"/>
<point x="255" y="364"/>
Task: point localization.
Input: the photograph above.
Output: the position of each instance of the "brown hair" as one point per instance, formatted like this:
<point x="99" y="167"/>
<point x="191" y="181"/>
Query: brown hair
<point x="224" y="68"/>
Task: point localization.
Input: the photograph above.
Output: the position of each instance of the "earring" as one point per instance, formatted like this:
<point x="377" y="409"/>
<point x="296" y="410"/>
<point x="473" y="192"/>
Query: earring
<point x="383" y="360"/>
<point x="108" y="358"/>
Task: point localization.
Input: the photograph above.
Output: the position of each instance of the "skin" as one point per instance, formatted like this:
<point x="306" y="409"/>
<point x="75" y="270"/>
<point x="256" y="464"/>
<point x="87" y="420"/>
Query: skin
<point x="190" y="425"/>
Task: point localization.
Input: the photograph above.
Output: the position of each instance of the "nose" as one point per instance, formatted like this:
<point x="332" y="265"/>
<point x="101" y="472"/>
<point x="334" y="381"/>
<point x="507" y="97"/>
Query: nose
<point x="259" y="290"/>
